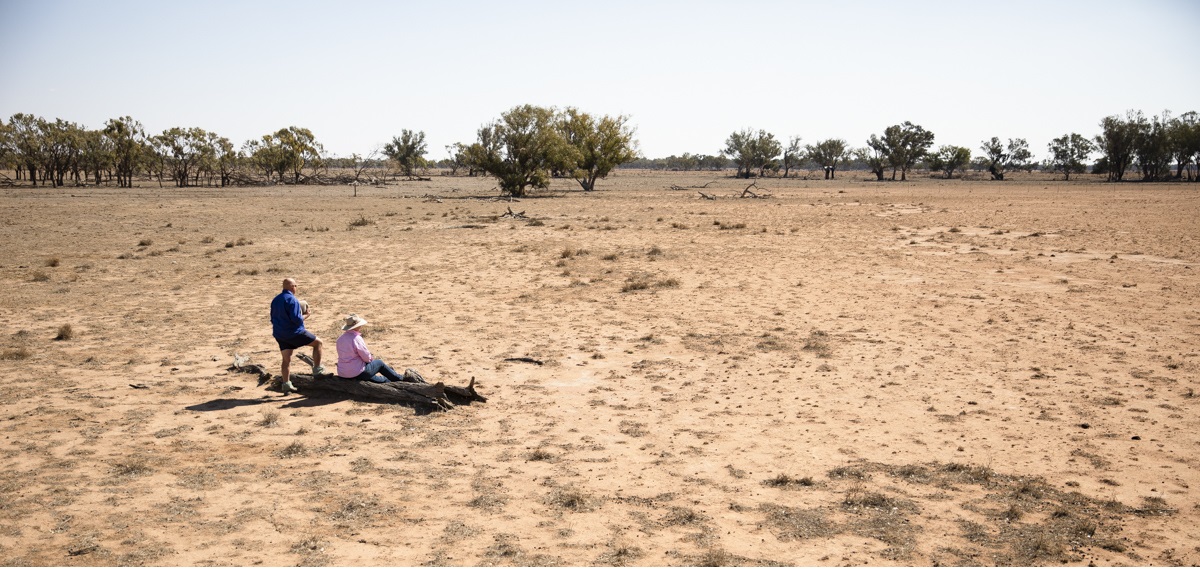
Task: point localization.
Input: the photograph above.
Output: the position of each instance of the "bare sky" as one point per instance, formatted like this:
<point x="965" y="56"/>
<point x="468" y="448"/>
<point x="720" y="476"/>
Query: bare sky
<point x="688" y="73"/>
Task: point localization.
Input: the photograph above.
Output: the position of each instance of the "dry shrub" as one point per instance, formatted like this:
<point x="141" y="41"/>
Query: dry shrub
<point x="65" y="332"/>
<point x="21" y="353"/>
<point x="132" y="467"/>
<point x="622" y="555"/>
<point x="539" y="455"/>
<point x="818" y="342"/>
<point x="53" y="262"/>
<point x="296" y="449"/>
<point x="573" y="499"/>
<point x="790" y="524"/>
<point x="269" y="419"/>
<point x="785" y="481"/>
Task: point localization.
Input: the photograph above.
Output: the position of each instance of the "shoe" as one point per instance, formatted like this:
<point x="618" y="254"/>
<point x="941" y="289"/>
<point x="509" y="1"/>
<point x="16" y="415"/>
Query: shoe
<point x="287" y="388"/>
<point x="318" y="370"/>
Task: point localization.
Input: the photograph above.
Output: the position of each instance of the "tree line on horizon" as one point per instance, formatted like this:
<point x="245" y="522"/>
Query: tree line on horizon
<point x="528" y="146"/>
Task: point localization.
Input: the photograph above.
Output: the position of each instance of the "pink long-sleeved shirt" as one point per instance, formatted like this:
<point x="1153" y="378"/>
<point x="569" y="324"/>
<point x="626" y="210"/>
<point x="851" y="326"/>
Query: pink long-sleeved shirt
<point x="353" y="355"/>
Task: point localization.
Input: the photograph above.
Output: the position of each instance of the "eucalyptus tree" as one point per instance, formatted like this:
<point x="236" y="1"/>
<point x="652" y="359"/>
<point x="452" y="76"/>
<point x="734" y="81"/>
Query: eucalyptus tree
<point x="949" y="158"/>
<point x="298" y="150"/>
<point x="874" y="155"/>
<point x="828" y="154"/>
<point x="594" y="146"/>
<point x="1152" y="147"/>
<point x="226" y="158"/>
<point x="905" y="144"/>
<point x="183" y="152"/>
<point x="61" y="143"/>
<point x="998" y="158"/>
<point x="1116" y="142"/>
<point x="129" y="148"/>
<point x="519" y="149"/>
<point x="97" y="156"/>
<point x="750" y="150"/>
<point x="792" y="155"/>
<point x="27" y="144"/>
<point x="1069" y="153"/>
<point x="1184" y="134"/>
<point x="407" y="150"/>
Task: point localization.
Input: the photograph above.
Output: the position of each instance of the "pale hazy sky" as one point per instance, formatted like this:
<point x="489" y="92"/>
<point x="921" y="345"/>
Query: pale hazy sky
<point x="687" y="73"/>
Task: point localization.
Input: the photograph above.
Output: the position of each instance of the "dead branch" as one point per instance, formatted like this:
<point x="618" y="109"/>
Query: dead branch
<point x="747" y="193"/>
<point x="526" y="360"/>
<point x="516" y="215"/>
<point x="707" y="196"/>
<point x="701" y="187"/>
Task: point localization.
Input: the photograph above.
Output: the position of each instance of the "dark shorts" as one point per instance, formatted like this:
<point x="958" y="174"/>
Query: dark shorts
<point x="296" y="341"/>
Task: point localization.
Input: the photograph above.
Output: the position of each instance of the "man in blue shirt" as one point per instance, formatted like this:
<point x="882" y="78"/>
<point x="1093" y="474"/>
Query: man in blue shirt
<point x="287" y="325"/>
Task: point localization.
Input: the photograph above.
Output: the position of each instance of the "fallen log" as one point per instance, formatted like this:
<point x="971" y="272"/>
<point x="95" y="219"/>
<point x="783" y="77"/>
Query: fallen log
<point x="438" y="395"/>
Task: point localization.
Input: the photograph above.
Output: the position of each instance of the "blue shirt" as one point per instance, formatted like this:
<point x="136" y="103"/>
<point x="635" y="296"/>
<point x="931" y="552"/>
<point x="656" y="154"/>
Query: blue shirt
<point x="286" y="320"/>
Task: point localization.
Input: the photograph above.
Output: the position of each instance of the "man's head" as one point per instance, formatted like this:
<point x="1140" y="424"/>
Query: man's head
<point x="289" y="284"/>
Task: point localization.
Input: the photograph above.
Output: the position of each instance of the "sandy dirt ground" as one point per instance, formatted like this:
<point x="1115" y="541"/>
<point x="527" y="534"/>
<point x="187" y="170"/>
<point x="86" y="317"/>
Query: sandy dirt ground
<point x="840" y="373"/>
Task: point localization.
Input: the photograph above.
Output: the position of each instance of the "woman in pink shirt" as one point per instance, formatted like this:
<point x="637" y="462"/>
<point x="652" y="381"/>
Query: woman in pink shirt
<point x="355" y="361"/>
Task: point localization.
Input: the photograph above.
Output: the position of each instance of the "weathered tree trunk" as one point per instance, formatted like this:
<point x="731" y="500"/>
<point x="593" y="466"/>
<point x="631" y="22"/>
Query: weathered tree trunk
<point x="437" y="395"/>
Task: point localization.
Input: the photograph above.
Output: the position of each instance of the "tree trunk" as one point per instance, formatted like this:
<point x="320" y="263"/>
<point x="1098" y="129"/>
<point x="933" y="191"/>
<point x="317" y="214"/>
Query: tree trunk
<point x="437" y="395"/>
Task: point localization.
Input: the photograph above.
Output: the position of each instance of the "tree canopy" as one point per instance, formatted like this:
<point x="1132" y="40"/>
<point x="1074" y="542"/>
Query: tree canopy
<point x="828" y="154"/>
<point x="594" y="147"/>
<point x="750" y="151"/>
<point x="407" y="150"/>
<point x="1069" y="154"/>
<point x="519" y="150"/>
<point x="904" y="145"/>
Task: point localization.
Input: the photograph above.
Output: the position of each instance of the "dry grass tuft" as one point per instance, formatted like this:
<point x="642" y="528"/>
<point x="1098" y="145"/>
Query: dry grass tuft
<point x="294" y="450"/>
<point x="12" y="354"/>
<point x="65" y="332"/>
<point x="785" y="481"/>
<point x="790" y="524"/>
<point x="573" y="499"/>
<point x="269" y="419"/>
<point x="818" y="343"/>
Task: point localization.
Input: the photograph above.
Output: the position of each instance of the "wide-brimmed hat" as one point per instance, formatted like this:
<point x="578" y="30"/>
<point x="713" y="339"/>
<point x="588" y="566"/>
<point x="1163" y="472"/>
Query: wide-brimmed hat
<point x="353" y="321"/>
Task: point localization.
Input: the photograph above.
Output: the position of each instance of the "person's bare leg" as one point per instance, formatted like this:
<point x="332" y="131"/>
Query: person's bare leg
<point x="286" y="369"/>
<point x="316" y="346"/>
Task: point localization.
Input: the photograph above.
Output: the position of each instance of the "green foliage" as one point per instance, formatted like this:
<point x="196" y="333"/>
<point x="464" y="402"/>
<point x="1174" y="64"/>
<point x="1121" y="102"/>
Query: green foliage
<point x="904" y="145"/>
<point x="1069" y="153"/>
<point x="950" y="158"/>
<point x="129" y="148"/>
<point x="1184" y="136"/>
<point x="407" y="150"/>
<point x="594" y="146"/>
<point x="185" y="153"/>
<point x="874" y="155"/>
<point x="828" y="154"/>
<point x="750" y="150"/>
<point x="519" y="150"/>
<point x="288" y="151"/>
<point x="1152" y="147"/>
<point x="1116" y="143"/>
<point x="792" y="155"/>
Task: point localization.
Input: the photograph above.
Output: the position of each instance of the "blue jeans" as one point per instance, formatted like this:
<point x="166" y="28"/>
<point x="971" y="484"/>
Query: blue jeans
<point x="375" y="369"/>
